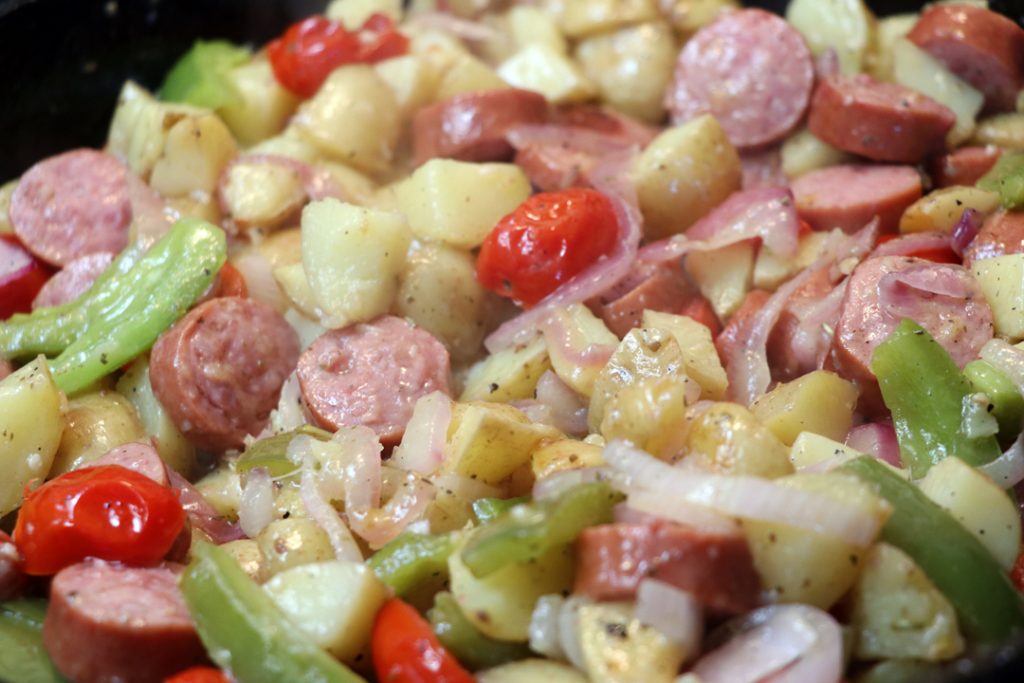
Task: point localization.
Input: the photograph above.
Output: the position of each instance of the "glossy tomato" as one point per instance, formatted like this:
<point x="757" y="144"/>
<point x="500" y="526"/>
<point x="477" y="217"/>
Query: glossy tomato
<point x="22" y="275"/>
<point x="199" y="674"/>
<point x="935" y="254"/>
<point x="107" y="512"/>
<point x="405" y="649"/>
<point x="549" y="238"/>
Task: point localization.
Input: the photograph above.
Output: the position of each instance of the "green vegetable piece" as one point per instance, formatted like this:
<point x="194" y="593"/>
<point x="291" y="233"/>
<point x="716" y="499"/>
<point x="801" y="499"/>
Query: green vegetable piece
<point x="527" y="531"/>
<point x="243" y="630"/>
<point x="271" y="453"/>
<point x="465" y="641"/>
<point x="988" y="606"/>
<point x="411" y="560"/>
<point x="1006" y="178"/>
<point x="1007" y="403"/>
<point x="200" y="77"/>
<point x="900" y="671"/>
<point x="21" y="641"/>
<point x="926" y="393"/>
<point x="488" y="509"/>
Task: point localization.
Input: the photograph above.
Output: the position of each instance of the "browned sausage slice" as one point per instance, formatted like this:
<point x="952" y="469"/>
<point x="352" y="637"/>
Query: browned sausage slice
<point x="717" y="569"/>
<point x="73" y="280"/>
<point x="848" y="197"/>
<point x="980" y="46"/>
<point x="106" y="622"/>
<point x="880" y="121"/>
<point x="964" y="166"/>
<point x="73" y="204"/>
<point x="472" y="126"/>
<point x="12" y="579"/>
<point x="655" y="287"/>
<point x="218" y="371"/>
<point x="751" y="70"/>
<point x="1001" y="233"/>
<point x="371" y="375"/>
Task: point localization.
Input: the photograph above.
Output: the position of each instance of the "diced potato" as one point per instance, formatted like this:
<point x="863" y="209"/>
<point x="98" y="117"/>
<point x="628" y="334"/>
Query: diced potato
<point x="979" y="504"/>
<point x="771" y="270"/>
<point x="618" y="648"/>
<point x="501" y="604"/>
<point x="650" y="412"/>
<point x="810" y="449"/>
<point x="804" y="152"/>
<point x="222" y="489"/>
<point x="684" y="173"/>
<point x="887" y="31"/>
<point x="533" y="26"/>
<point x="614" y="61"/>
<point x="507" y="375"/>
<point x="572" y="334"/>
<point x="264" y="107"/>
<point x="95" y="423"/>
<point x="700" y="357"/>
<point x="531" y="671"/>
<point x="844" y="25"/>
<point x="412" y="81"/>
<point x="548" y="71"/>
<point x="586" y="17"/>
<point x="567" y="454"/>
<point x="459" y="202"/>
<point x="439" y="292"/>
<point x="295" y="285"/>
<point x="438" y="50"/>
<point x="899" y="613"/>
<point x="331" y="603"/>
<point x="196" y="150"/>
<point x="262" y="195"/>
<point x="798" y="565"/>
<point x="288" y="503"/>
<point x="138" y="130"/>
<point x="1003" y="130"/>
<point x="354" y="118"/>
<point x="490" y="441"/>
<point x="942" y="209"/>
<point x="728" y="439"/>
<point x="1002" y="281"/>
<point x="287" y="543"/>
<point x="5" y="204"/>
<point x="353" y="258"/>
<point x="724" y="275"/>
<point x="819" y="402"/>
<point x="918" y="70"/>
<point x="353" y="13"/>
<point x="452" y="507"/>
<point x="356" y="187"/>
<point x="467" y="74"/>
<point x="246" y="552"/>
<point x="31" y="425"/>
<point x="175" y="450"/>
<point x="689" y="16"/>
<point x="288" y="144"/>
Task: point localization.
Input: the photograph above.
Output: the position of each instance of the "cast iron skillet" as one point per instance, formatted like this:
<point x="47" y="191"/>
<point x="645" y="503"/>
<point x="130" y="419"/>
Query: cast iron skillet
<point x="65" y="61"/>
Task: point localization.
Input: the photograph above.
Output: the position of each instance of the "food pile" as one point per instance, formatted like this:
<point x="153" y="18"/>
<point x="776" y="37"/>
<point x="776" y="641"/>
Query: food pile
<point x="583" y="340"/>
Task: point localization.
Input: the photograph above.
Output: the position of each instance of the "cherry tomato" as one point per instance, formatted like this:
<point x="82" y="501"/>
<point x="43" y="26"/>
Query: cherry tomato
<point x="405" y="649"/>
<point x="1017" y="573"/>
<point x="199" y="674"/>
<point x="229" y="282"/>
<point x="107" y="512"/>
<point x="549" y="238"/>
<point x="937" y="255"/>
<point x="22" y="275"/>
<point x="311" y="49"/>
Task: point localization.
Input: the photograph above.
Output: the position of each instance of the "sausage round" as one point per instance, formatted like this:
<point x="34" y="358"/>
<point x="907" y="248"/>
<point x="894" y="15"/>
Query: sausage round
<point x="964" y="166"/>
<point x="218" y="371"/>
<point x="371" y="374"/>
<point x="106" y="622"/>
<point x="12" y="579"/>
<point x="73" y="280"/>
<point x="1001" y="233"/>
<point x="880" y="121"/>
<point x="658" y="288"/>
<point x="849" y="196"/>
<point x="751" y="70"/>
<point x="73" y="204"/>
<point x="472" y="126"/>
<point x="980" y="46"/>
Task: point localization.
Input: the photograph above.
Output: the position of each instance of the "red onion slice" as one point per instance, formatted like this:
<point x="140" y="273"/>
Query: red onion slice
<point x="323" y="513"/>
<point x="965" y="231"/>
<point x="201" y="514"/>
<point x="422" y="447"/>
<point x="256" y="510"/>
<point x="877" y="439"/>
<point x="906" y="245"/>
<point x="1008" y="469"/>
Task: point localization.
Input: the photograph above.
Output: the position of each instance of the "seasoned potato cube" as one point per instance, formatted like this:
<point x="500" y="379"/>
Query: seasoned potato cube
<point x="941" y="210"/>
<point x="1003" y="130"/>
<point x="264" y="107"/>
<point x="804" y="152"/>
<point x="727" y="438"/>
<point x="246" y="552"/>
<point x="819" y="402"/>
<point x="262" y="195"/>
<point x="412" y="81"/>
<point x="689" y="16"/>
<point x="846" y="26"/>
<point x="567" y="454"/>
<point x="684" y="173"/>
<point x="649" y="412"/>
<point x="810" y="449"/>
<point x="533" y="26"/>
<point x="573" y="333"/>
<point x="138" y="130"/>
<point x="287" y="543"/>
<point x="530" y="671"/>
<point x="545" y="70"/>
<point x="586" y="17"/>
<point x="174" y="449"/>
<point x="288" y="144"/>
<point x="507" y="375"/>
<point x="357" y="187"/>
<point x="452" y="507"/>
<point x="467" y="74"/>
<point x="196" y="150"/>
<point x="1002" y="281"/>
<point x="95" y="423"/>
<point x="700" y="357"/>
<point x="5" y="204"/>
<point x="887" y="31"/>
<point x="222" y="488"/>
<point x="353" y="13"/>
<point x="723" y="275"/>
<point x="458" y="202"/>
<point x="294" y="284"/>
<point x="618" y="648"/>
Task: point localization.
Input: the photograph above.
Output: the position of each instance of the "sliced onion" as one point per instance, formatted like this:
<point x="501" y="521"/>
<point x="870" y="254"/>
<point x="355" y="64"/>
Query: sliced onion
<point x="975" y="419"/>
<point x="561" y="333"/>
<point x="463" y="29"/>
<point x="422" y="447"/>
<point x="258" y="272"/>
<point x="675" y="613"/>
<point x="1008" y="469"/>
<point x="567" y="409"/>
<point x="554" y="485"/>
<point x="290" y="412"/>
<point x="624" y="513"/>
<point x="965" y="230"/>
<point x="256" y="509"/>
<point x="569" y="630"/>
<point x="877" y="439"/>
<point x="544" y="631"/>
<point x="200" y="513"/>
<point x="327" y="518"/>
<point x="813" y="335"/>
<point x="682" y="511"/>
<point x="382" y="525"/>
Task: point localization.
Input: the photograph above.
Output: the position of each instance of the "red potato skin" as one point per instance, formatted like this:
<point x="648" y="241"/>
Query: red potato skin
<point x="849" y="196"/>
<point x="964" y="166"/>
<point x="1001" y="233"/>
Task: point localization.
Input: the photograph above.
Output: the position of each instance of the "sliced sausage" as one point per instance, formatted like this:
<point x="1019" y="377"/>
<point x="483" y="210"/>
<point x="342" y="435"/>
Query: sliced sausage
<point x="372" y="375"/>
<point x="218" y="371"/>
<point x="787" y="359"/>
<point x="106" y="623"/>
<point x="964" y="166"/>
<point x="138" y="457"/>
<point x="849" y="196"/>
<point x="73" y="204"/>
<point x="12" y="579"/>
<point x="718" y="570"/>
<point x="880" y="121"/>
<point x="655" y="287"/>
<point x="73" y="280"/>
<point x="728" y="341"/>
<point x="980" y="46"/>
<point x="763" y="168"/>
<point x="1001" y="233"/>
<point x="472" y="126"/>
<point x="751" y="70"/>
<point x="943" y="298"/>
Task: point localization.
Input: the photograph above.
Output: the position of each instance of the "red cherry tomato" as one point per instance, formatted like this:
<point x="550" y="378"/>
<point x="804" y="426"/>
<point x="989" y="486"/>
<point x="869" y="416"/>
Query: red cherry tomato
<point x="1017" y="573"/>
<point x="405" y="649"/>
<point x="107" y="512"/>
<point x="199" y="674"/>
<point x="549" y="238"/>
<point x="229" y="282"/>
<point x="311" y="49"/>
<point x="22" y="275"/>
<point x="937" y="255"/>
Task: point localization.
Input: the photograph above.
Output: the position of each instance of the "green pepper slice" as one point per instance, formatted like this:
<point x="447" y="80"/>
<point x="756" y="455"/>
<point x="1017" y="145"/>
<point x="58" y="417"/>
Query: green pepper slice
<point x="271" y="453"/>
<point x="412" y="560"/>
<point x="200" y="78"/>
<point x="465" y="641"/>
<point x="21" y="642"/>
<point x="1006" y="178"/>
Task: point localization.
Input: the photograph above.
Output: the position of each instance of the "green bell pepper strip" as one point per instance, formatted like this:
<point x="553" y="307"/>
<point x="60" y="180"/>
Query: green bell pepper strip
<point x="489" y="509"/>
<point x="412" y="560"/>
<point x="465" y="641"/>
<point x="200" y="78"/>
<point x="988" y="606"/>
<point x="243" y="630"/>
<point x="1007" y="403"/>
<point x="24" y="658"/>
<point x="527" y="531"/>
<point x="1006" y="178"/>
<point x="927" y="394"/>
<point x="271" y="453"/>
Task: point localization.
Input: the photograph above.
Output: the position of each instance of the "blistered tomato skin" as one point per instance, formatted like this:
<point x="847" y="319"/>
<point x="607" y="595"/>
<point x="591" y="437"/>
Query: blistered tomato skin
<point x="199" y="674"/>
<point x="107" y="512"/>
<point x="22" y="275"/>
<point x="548" y="239"/>
<point x="405" y="649"/>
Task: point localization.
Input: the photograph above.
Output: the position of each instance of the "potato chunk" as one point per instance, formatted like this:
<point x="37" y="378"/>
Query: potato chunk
<point x="819" y="402"/>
